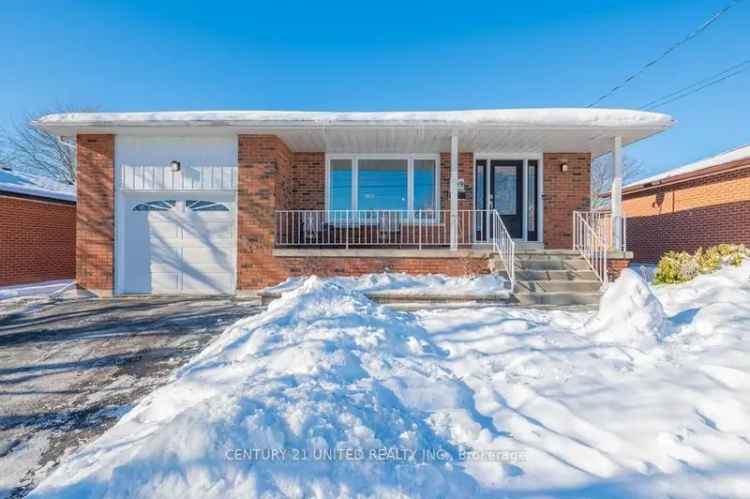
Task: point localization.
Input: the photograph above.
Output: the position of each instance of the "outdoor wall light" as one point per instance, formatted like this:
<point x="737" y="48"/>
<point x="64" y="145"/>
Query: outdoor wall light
<point x="175" y="166"/>
<point x="564" y="166"/>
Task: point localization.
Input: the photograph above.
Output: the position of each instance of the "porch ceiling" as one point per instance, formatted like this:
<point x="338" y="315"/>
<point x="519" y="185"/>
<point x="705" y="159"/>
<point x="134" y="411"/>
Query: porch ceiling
<point x="402" y="140"/>
<point x="498" y="130"/>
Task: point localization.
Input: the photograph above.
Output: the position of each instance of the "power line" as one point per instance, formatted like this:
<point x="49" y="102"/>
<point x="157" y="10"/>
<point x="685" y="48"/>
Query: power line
<point x="698" y="86"/>
<point x="664" y="54"/>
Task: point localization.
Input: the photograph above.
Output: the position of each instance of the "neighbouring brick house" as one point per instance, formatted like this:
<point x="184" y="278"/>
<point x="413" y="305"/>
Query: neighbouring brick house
<point x="201" y="202"/>
<point x="37" y="229"/>
<point x="696" y="205"/>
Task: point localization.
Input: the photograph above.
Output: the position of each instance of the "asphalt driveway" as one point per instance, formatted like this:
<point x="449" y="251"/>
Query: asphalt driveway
<point x="69" y="369"/>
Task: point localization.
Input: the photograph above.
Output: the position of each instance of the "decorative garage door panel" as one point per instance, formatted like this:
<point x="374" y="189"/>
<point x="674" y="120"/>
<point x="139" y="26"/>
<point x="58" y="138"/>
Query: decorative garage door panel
<point x="180" y="243"/>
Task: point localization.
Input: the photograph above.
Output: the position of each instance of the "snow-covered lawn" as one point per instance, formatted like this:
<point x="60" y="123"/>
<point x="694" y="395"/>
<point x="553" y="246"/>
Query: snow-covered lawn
<point x="328" y="394"/>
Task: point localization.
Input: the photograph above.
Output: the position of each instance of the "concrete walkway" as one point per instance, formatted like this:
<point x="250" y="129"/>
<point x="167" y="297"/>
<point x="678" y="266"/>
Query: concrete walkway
<point x="69" y="369"/>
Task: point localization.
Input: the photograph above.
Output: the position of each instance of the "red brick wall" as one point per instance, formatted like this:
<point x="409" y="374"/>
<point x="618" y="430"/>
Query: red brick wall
<point x="563" y="193"/>
<point x="465" y="171"/>
<point x="264" y="185"/>
<point x="95" y="212"/>
<point x="349" y="266"/>
<point x="685" y="216"/>
<point x="308" y="181"/>
<point x="615" y="266"/>
<point x="37" y="240"/>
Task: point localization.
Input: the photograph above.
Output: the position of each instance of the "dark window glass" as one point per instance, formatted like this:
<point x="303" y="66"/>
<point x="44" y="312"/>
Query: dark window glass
<point x="162" y="205"/>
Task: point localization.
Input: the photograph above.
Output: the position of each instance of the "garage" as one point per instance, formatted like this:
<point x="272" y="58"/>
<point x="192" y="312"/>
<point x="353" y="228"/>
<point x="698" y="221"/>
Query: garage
<point x="176" y="215"/>
<point x="180" y="244"/>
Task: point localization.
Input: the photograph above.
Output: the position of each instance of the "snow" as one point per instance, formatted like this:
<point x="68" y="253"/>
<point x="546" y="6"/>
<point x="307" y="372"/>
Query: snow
<point x="725" y="157"/>
<point x="533" y="117"/>
<point x="629" y="313"/>
<point x="468" y="403"/>
<point x="405" y="285"/>
<point x="47" y="288"/>
<point x="32" y="185"/>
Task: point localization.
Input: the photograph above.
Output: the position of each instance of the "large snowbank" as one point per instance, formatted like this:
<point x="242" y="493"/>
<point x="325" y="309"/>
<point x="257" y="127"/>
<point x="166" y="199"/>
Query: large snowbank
<point x="543" y="407"/>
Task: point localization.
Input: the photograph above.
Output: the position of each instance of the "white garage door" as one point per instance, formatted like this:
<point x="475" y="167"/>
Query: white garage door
<point x="180" y="243"/>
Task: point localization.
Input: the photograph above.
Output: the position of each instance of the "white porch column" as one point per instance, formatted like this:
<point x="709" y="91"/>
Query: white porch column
<point x="454" y="192"/>
<point x="616" y="193"/>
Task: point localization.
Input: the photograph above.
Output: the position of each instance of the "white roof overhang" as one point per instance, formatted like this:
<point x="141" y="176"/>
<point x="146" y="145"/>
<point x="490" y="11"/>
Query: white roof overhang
<point x="515" y="130"/>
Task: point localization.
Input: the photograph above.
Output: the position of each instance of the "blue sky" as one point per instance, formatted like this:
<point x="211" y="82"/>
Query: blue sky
<point x="373" y="56"/>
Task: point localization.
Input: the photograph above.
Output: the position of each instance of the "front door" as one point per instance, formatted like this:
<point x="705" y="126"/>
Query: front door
<point x="506" y="193"/>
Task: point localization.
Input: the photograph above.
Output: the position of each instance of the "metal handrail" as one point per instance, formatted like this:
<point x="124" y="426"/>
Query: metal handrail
<point x="504" y="246"/>
<point x="603" y="222"/>
<point x="380" y="228"/>
<point x="592" y="245"/>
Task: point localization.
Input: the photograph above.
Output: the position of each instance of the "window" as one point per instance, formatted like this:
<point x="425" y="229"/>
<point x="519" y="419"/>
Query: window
<point x="163" y="205"/>
<point x="205" y="206"/>
<point x="425" y="179"/>
<point x="341" y="184"/>
<point x="390" y="182"/>
<point x="382" y="184"/>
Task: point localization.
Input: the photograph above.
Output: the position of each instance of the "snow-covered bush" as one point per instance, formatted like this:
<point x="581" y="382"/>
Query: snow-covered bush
<point x="675" y="267"/>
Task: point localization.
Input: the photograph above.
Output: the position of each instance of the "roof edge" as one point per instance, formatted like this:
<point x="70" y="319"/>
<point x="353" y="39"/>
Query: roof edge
<point x="688" y="176"/>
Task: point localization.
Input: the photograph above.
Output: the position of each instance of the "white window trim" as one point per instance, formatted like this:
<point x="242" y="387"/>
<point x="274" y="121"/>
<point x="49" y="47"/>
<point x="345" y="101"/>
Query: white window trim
<point x="409" y="177"/>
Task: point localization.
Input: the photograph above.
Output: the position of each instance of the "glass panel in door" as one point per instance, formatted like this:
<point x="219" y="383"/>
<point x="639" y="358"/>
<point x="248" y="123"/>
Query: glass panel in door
<point x="480" y="201"/>
<point x="506" y="193"/>
<point x="532" y="183"/>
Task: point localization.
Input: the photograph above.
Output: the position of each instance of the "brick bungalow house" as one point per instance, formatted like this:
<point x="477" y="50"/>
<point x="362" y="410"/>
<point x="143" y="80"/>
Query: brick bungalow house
<point x="696" y="205"/>
<point x="225" y="202"/>
<point x="37" y="229"/>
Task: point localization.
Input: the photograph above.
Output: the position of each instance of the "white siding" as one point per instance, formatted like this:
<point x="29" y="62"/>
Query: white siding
<point x="207" y="163"/>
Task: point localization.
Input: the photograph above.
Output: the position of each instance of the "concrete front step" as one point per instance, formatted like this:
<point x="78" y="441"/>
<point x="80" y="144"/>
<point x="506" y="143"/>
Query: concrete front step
<point x="580" y="286"/>
<point x="552" y="264"/>
<point x="557" y="298"/>
<point x="544" y="256"/>
<point x="555" y="275"/>
<point x="561" y="252"/>
<point x="521" y="298"/>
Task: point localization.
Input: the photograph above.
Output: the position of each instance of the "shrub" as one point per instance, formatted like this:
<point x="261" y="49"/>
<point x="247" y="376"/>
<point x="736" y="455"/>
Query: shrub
<point x="670" y="267"/>
<point x="708" y="260"/>
<point x="674" y="266"/>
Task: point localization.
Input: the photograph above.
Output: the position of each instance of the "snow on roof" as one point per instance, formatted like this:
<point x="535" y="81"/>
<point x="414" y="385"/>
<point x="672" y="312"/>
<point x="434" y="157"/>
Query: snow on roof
<point x="725" y="157"/>
<point x="534" y="118"/>
<point x="31" y="185"/>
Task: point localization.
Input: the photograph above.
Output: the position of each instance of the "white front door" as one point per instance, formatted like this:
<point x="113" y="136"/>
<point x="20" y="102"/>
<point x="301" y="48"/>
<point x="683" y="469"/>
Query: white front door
<point x="180" y="243"/>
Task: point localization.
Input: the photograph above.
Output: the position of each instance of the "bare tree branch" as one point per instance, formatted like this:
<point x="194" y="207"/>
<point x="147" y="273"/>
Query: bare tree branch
<point x="602" y="174"/>
<point x="26" y="148"/>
